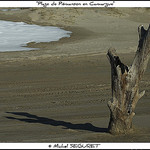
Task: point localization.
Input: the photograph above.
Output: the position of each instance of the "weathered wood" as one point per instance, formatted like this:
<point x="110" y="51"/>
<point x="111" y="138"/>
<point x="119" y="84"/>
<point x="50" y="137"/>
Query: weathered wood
<point x="125" y="84"/>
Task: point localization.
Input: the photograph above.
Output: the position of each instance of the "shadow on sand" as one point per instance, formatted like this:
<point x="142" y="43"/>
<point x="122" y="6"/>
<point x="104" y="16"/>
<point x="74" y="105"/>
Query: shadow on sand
<point x="35" y="119"/>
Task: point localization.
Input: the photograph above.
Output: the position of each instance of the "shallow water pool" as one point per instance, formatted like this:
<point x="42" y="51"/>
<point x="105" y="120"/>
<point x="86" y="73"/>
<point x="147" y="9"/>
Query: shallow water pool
<point x="15" y="35"/>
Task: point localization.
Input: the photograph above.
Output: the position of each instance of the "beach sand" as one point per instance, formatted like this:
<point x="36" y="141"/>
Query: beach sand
<point x="59" y="93"/>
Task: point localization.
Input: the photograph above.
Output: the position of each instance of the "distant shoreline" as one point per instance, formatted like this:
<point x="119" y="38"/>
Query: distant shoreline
<point x="94" y="30"/>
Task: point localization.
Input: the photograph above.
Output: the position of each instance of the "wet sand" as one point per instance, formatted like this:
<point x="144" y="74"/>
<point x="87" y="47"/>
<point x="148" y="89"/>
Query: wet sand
<point x="60" y="92"/>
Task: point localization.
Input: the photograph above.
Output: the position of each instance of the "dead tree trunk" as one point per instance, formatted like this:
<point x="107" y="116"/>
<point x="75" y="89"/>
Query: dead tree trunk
<point x="125" y="84"/>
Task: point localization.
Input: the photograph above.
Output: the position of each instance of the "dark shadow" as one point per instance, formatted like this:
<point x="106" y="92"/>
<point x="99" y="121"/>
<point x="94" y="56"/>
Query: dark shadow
<point x="35" y="119"/>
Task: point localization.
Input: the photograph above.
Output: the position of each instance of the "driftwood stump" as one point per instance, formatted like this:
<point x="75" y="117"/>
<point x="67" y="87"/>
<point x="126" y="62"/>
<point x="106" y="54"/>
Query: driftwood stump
<point x="125" y="84"/>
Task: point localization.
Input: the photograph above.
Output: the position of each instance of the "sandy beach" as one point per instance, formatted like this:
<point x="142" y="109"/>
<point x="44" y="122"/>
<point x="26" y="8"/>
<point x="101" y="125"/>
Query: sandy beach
<point x="59" y="93"/>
